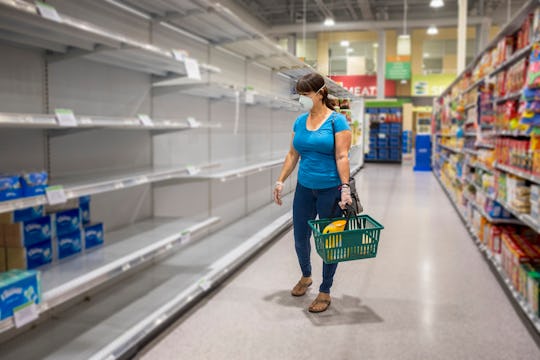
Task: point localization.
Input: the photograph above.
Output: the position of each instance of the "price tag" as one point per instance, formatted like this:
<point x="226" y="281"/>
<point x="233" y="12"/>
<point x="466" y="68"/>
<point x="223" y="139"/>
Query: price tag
<point x="48" y="12"/>
<point x="168" y="246"/>
<point x="25" y="314"/>
<point x="145" y="120"/>
<point x="193" y="123"/>
<point x="126" y="267"/>
<point x="205" y="284"/>
<point x="55" y="195"/>
<point x="179" y="55"/>
<point x="250" y="97"/>
<point x="192" y="68"/>
<point x="186" y="238"/>
<point x="65" y="117"/>
<point x="192" y="170"/>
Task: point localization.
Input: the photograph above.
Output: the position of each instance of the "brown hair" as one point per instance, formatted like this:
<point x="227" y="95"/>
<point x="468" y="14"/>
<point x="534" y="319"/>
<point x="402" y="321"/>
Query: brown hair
<point x="314" y="82"/>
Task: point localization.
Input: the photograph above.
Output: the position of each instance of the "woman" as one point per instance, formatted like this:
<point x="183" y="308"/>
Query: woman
<point x="323" y="177"/>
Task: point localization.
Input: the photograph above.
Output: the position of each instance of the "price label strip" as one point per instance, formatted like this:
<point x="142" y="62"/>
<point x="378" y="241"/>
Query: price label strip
<point x="250" y="97"/>
<point x="193" y="170"/>
<point x="193" y="123"/>
<point x="179" y="55"/>
<point x="48" y="12"/>
<point x="25" y="314"/>
<point x="55" y="195"/>
<point x="192" y="69"/>
<point x="145" y="120"/>
<point x="65" y="117"/>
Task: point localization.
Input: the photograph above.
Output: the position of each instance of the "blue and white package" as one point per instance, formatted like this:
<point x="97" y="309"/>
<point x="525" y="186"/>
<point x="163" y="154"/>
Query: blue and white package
<point x="28" y="232"/>
<point x="17" y="288"/>
<point x="34" y="183"/>
<point x="66" y="221"/>
<point x="84" y="205"/>
<point x="29" y="257"/>
<point x="10" y="187"/>
<point x="69" y="244"/>
<point x="93" y="235"/>
<point x="22" y="215"/>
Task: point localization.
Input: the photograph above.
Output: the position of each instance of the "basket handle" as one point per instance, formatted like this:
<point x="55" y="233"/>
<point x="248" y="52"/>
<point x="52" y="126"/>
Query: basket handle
<point x="350" y="212"/>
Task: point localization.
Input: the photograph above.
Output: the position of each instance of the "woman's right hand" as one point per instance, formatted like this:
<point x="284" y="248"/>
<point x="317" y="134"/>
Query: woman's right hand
<point x="278" y="188"/>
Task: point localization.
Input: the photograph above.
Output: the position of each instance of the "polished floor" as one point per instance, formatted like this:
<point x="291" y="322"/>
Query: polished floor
<point x="429" y="294"/>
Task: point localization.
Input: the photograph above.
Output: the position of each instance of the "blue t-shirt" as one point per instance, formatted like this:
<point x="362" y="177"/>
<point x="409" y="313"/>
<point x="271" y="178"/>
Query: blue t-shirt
<point x="318" y="169"/>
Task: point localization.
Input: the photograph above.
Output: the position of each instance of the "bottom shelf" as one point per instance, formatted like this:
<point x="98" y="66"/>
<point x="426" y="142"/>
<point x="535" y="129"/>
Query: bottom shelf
<point x="118" y="319"/>
<point x="495" y="264"/>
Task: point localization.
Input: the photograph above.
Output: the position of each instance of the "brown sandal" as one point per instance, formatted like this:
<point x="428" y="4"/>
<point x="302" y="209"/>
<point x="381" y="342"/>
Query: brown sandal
<point x="317" y="301"/>
<point x="300" y="289"/>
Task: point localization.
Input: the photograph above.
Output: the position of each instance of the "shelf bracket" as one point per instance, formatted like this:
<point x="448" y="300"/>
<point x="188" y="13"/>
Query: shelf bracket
<point x="73" y="53"/>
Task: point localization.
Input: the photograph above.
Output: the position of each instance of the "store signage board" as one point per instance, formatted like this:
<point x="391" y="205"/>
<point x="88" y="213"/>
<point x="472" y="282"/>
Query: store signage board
<point x="55" y="195"/>
<point x="398" y="68"/>
<point x="364" y="85"/>
<point x="430" y="85"/>
<point x="192" y="69"/>
<point x="145" y="120"/>
<point x="25" y="314"/>
<point x="48" y="12"/>
<point x="65" y="117"/>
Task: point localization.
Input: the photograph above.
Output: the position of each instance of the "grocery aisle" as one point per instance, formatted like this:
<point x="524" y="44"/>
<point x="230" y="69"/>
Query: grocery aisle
<point x="428" y="294"/>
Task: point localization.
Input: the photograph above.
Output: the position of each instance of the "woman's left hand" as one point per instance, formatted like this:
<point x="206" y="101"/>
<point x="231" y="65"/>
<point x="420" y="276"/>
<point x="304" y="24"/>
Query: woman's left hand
<point x="345" y="197"/>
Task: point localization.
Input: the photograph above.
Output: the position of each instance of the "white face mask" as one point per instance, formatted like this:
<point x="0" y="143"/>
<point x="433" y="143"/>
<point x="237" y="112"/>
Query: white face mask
<point x="307" y="102"/>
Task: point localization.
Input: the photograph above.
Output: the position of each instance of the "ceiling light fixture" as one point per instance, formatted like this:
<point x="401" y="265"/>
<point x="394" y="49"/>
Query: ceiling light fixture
<point x="350" y="50"/>
<point x="345" y="43"/>
<point x="436" y="3"/>
<point x="329" y="22"/>
<point x="375" y="45"/>
<point x="432" y="30"/>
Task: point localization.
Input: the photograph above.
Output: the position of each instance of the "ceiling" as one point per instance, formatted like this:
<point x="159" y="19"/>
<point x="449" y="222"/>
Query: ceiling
<point x="290" y="12"/>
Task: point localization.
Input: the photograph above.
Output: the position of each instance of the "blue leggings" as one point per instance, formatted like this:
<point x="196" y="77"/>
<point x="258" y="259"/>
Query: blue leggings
<point x="308" y="203"/>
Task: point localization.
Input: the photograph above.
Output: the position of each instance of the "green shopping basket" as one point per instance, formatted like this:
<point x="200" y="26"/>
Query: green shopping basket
<point x="360" y="240"/>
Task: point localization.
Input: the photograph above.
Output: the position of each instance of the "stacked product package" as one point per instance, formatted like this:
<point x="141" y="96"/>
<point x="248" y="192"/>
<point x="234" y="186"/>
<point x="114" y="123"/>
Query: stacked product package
<point x="37" y="236"/>
<point x="18" y="288"/>
<point x="13" y="187"/>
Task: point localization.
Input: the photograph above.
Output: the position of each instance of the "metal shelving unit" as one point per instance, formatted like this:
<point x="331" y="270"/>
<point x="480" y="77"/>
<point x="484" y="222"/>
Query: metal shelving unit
<point x="140" y="307"/>
<point x="493" y="261"/>
<point x="22" y="23"/>
<point x="125" y="250"/>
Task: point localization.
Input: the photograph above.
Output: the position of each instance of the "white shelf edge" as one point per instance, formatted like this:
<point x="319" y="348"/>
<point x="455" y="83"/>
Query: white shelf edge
<point x="48" y="121"/>
<point x="535" y="320"/>
<point x="235" y="173"/>
<point x="98" y="187"/>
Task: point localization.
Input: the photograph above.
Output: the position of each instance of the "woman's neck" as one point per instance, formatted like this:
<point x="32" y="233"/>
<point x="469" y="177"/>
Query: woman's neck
<point x="318" y="109"/>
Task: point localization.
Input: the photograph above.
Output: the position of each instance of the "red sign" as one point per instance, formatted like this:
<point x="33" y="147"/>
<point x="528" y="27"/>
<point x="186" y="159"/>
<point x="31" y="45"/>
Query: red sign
<point x="364" y="85"/>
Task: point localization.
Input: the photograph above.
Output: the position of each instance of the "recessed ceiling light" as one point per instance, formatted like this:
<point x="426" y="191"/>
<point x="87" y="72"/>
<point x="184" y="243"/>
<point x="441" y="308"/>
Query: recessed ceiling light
<point x="432" y="30"/>
<point x="350" y="50"/>
<point x="329" y="22"/>
<point x="436" y="3"/>
<point x="375" y="45"/>
<point x="426" y="55"/>
<point x="345" y="43"/>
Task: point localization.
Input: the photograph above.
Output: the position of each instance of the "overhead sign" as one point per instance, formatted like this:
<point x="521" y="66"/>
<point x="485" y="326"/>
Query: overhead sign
<point x="364" y="85"/>
<point x="398" y="68"/>
<point x="430" y="85"/>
